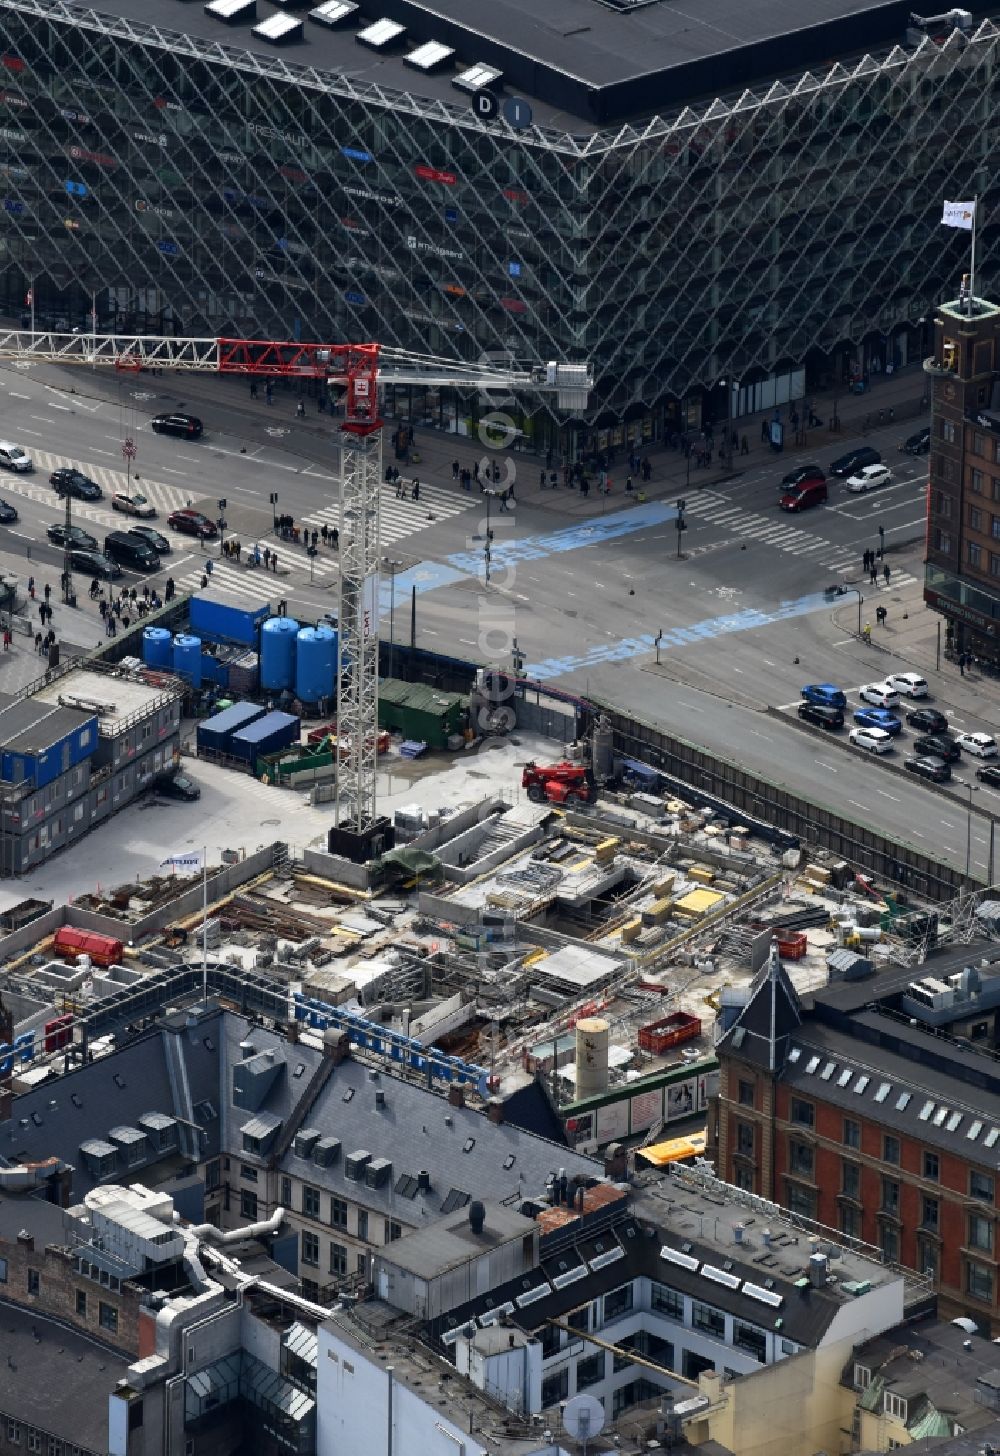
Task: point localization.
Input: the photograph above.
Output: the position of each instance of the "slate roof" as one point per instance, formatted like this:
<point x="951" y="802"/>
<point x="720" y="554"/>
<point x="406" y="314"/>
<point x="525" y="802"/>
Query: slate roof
<point x="772" y="1013"/>
<point x="934" y="1365"/>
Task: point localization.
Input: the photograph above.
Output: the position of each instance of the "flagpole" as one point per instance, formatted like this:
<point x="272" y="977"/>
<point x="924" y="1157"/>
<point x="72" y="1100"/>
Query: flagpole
<point x="972" y="260"/>
<point x="204" y="925"/>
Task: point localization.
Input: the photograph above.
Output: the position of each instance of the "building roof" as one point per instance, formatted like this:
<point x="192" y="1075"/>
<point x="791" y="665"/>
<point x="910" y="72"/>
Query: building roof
<point x="53" y="1378"/>
<point x="772" y="1013"/>
<point x="125" y="695"/>
<point x="942" y="1373"/>
<point x="31" y="726"/>
<point x="450" y="1242"/>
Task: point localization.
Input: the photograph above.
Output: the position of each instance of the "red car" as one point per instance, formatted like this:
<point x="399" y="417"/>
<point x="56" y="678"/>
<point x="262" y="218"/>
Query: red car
<point x="192" y="523"/>
<point x="800" y="497"/>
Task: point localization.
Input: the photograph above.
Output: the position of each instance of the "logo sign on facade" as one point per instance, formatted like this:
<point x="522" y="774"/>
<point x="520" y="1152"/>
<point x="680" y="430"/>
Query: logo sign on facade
<point x="166" y="246"/>
<point x="293" y="174"/>
<point x="13" y="99"/>
<point x="80" y="154"/>
<point x="987" y="422"/>
<point x="76" y="189"/>
<point x="516" y="113"/>
<point x="485" y="105"/>
<point x="162" y="104"/>
<point x="434" y="174"/>
<point x="420" y="246"/>
<point x="12" y="206"/>
<point x="150" y="138"/>
<point x="7" y="134"/>
<point x="352" y="297"/>
<point x="271" y="133"/>
<point x="356" y="154"/>
<point x="514" y="305"/>
<point x="141" y="205"/>
<point x="514" y="194"/>
<point x="14" y="63"/>
<point x="80" y="117"/>
<point x="366" y="194"/>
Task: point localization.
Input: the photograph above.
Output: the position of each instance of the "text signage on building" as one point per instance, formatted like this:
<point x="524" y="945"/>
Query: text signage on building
<point x="434" y="174"/>
<point x="80" y="154"/>
<point x="420" y="246"/>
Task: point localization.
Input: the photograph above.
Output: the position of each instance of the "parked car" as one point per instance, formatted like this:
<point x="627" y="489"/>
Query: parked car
<point x="78" y="537"/>
<point x="802" y="473"/>
<point x="873" y="740"/>
<point x="176" y="786"/>
<point x="938" y="745"/>
<point x="76" y="484"/>
<point x="192" y="523"/>
<point x="184" y="427"/>
<point x="878" y="718"/>
<point x="870" y="477"/>
<point x="931" y="768"/>
<point x="918" y="444"/>
<point x="13" y="457"/>
<point x="989" y="774"/>
<point x="131" y="551"/>
<point x="807" y="493"/>
<point x="855" y="460"/>
<point x="155" y="538"/>
<point x="910" y="684"/>
<point x="980" y="745"/>
<point x="94" y="563"/>
<point x="132" y="505"/>
<point x="825" y="693"/>
<point x="879" y="694"/>
<point x="8" y="515"/>
<point x="821" y="716"/>
<point x="928" y="720"/>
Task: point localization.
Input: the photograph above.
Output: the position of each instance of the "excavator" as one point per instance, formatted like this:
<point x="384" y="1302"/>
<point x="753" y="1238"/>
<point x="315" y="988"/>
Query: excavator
<point x="558" y="783"/>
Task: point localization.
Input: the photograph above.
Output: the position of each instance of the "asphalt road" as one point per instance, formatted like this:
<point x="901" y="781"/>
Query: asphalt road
<point x="583" y="593"/>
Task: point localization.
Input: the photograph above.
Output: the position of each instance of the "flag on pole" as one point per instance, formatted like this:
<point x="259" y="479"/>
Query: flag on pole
<point x="190" y="862"/>
<point x="959" y="215"/>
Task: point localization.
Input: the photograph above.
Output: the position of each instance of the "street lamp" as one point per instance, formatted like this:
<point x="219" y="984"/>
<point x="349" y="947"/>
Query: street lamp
<point x="487" y="552"/>
<point x="973" y="789"/>
<point x="857" y="589"/>
<point x="681" y="525"/>
<point x="392" y="567"/>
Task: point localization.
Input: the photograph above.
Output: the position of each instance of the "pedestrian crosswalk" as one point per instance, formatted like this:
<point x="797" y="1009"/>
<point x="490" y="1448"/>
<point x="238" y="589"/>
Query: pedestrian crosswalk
<point x="162" y="497"/>
<point x="400" y="518"/>
<point x="237" y="581"/>
<point x="778" y="533"/>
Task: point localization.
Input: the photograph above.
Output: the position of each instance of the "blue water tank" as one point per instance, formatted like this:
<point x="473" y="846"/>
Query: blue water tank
<point x="277" y="653"/>
<point x="315" y="663"/>
<point x="187" y="658"/>
<point x="158" y="648"/>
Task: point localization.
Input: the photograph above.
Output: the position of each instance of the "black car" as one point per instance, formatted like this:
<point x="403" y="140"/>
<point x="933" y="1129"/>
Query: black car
<point x="918" y="444"/>
<point x="153" y="538"/>
<point x="855" y="460"/>
<point x="176" y="786"/>
<point x="801" y="473"/>
<point x="822" y="717"/>
<point x="938" y="745"/>
<point x="94" y="563"/>
<point x="184" y="427"/>
<point x="77" y="537"/>
<point x="928" y="767"/>
<point x="928" y="720"/>
<point x="76" y="484"/>
<point x="989" y="774"/>
<point x="8" y="515"/>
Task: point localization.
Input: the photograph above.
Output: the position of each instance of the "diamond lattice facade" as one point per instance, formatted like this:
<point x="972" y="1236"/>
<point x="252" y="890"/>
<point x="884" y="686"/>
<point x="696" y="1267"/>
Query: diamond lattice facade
<point x="202" y="187"/>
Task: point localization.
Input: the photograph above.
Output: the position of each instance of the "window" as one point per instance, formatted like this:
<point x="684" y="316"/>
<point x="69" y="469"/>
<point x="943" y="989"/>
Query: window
<point x="393" y="1230"/>
<point x="895" y="1406"/>
<point x="213" y="1176"/>
<point x="752" y="1340"/>
<point x="973" y="553"/>
<point x="979" y="1281"/>
<point x="743" y="1178"/>
<point x="975" y="518"/>
<point x="286" y="1192"/>
<point x="862" y="1377"/>
<point x="248" y="1204"/>
<point x="981" y="1186"/>
<point x="310" y="1201"/>
<point x="928" y="1259"/>
<point x="81" y="1303"/>
<point x="890" y="1149"/>
<point x="948" y="431"/>
<point x="704" y="1317"/>
<point x="980" y="1233"/>
<point x="363" y="1224"/>
<point x="555" y="1387"/>
<point x="801" y="1159"/>
<point x="800" y="1200"/>
<point x="108" y="1317"/>
<point x="338" y="1212"/>
<point x="34" y="1441"/>
<point x="251" y="1145"/>
<point x="3" y="1271"/>
<point x="248" y="1174"/>
<point x="890" y="1196"/>
<point x="995" y="526"/>
<point x="888" y="1242"/>
<point x="850" y="1179"/>
<point x="852" y="1133"/>
<point x="14" y="1433"/>
<point x="744" y="1139"/>
<point x="746" y="1093"/>
<point x="617" y="1302"/>
<point x="338" y="1260"/>
<point x="34" y="1283"/>
<point x="930" y="1213"/>
<point x="802" y="1112"/>
<point x="976" y="482"/>
<point x="932" y="1167"/>
<point x="590" y="1370"/>
<point x="850" y="1222"/>
<point x="941" y="541"/>
<point x="309" y="1249"/>
<point x="667" y="1301"/>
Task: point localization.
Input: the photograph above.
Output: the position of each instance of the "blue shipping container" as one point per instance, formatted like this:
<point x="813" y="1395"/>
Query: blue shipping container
<point x="214" y="734"/>
<point x="220" y="622"/>
<point x="267" y="735"/>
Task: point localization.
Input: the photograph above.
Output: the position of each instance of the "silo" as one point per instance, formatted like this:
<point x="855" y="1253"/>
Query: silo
<point x="592" y="1040"/>
<point x="187" y="658"/>
<point x="158" y="648"/>
<point x="277" y="653"/>
<point x="315" y="663"/>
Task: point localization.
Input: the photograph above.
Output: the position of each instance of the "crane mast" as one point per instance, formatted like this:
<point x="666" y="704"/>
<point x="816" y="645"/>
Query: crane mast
<point x="361" y="369"/>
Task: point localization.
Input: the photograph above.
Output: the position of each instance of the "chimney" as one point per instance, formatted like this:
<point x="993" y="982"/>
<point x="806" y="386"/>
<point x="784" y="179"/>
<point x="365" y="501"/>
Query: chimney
<point x="26" y="1240"/>
<point x="581" y="1193"/>
<point x="423" y="1181"/>
<point x="494" y="1110"/>
<point x="615" y="1162"/>
<point x="765" y="1238"/>
<point x="336" y="1045"/>
<point x="563" y="1186"/>
<point x="817" y="1270"/>
<point x="456" y="1095"/>
<point x="477" y="1216"/>
<point x="738" y="1230"/>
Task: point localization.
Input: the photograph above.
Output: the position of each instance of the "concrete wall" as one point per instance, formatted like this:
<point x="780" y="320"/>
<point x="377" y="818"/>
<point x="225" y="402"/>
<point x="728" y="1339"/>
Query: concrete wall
<point x="457" y="824"/>
<point x="335" y="867"/>
<point x="58" y="1287"/>
<point x="460" y="856"/>
<point x="797" y="1407"/>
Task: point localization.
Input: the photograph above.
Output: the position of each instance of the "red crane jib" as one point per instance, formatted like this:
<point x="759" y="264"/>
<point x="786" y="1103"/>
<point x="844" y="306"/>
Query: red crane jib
<point x="357" y="363"/>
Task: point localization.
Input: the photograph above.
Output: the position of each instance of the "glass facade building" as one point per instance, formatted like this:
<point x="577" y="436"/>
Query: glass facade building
<point x="187" y="177"/>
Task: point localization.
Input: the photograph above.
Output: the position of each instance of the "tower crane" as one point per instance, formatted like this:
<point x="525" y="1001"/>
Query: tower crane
<point x="361" y="369"/>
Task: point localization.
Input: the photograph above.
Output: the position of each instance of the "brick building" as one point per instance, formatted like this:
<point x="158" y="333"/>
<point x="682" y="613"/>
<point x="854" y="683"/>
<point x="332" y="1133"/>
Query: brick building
<point x="873" y="1107"/>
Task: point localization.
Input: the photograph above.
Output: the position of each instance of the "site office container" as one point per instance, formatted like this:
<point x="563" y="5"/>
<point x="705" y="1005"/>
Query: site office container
<point x="669" y="1031"/>
<point x="265" y="736"/>
<point x="223" y="622"/>
<point x="104" y="950"/>
<point x="214" y="734"/>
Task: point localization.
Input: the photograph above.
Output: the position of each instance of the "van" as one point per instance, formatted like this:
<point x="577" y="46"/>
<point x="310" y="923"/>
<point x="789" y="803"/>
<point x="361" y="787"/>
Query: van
<point x="131" y="550"/>
<point x="854" y="460"/>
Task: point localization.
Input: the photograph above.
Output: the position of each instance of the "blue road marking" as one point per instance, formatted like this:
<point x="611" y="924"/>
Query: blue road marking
<point x="596" y="532"/>
<point x="712" y="627"/>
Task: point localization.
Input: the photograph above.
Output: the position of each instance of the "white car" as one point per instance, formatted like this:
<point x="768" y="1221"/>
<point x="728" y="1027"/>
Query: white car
<point x="880" y="695"/>
<point x="12" y="457"/>
<point x="980" y="745"/>
<point x="869" y="477"/>
<point x="874" y="740"/>
<point x="910" y="684"/>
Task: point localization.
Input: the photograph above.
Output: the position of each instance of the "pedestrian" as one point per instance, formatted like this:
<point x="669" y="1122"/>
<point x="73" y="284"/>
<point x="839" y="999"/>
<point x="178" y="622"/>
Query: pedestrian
<point x="126" y="619"/>
<point x="38" y="641"/>
<point x="503" y="500"/>
<point x="300" y="409"/>
<point x="253" y="389"/>
<point x="415" y="489"/>
<point x="48" y="591"/>
<point x="886" y="573"/>
<point x="542" y="480"/>
<point x="274" y="561"/>
<point x="867" y="634"/>
<point x="628" y="485"/>
<point x="113" y="626"/>
<point x="455" y="468"/>
<point x="475" y="471"/>
<point x="168" y="589"/>
<point x="204" y="581"/>
<point x="6" y="639"/>
<point x="961" y="663"/>
<point x="764" y="432"/>
<point x="335" y="539"/>
<point x="315" y="538"/>
<point x="553" y="479"/>
<point x="31" y="587"/>
<point x="269" y="392"/>
<point x="744" y="446"/>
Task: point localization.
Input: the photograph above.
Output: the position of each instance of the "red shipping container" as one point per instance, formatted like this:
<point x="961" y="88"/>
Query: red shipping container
<point x="104" y="950"/>
<point x="669" y="1031"/>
